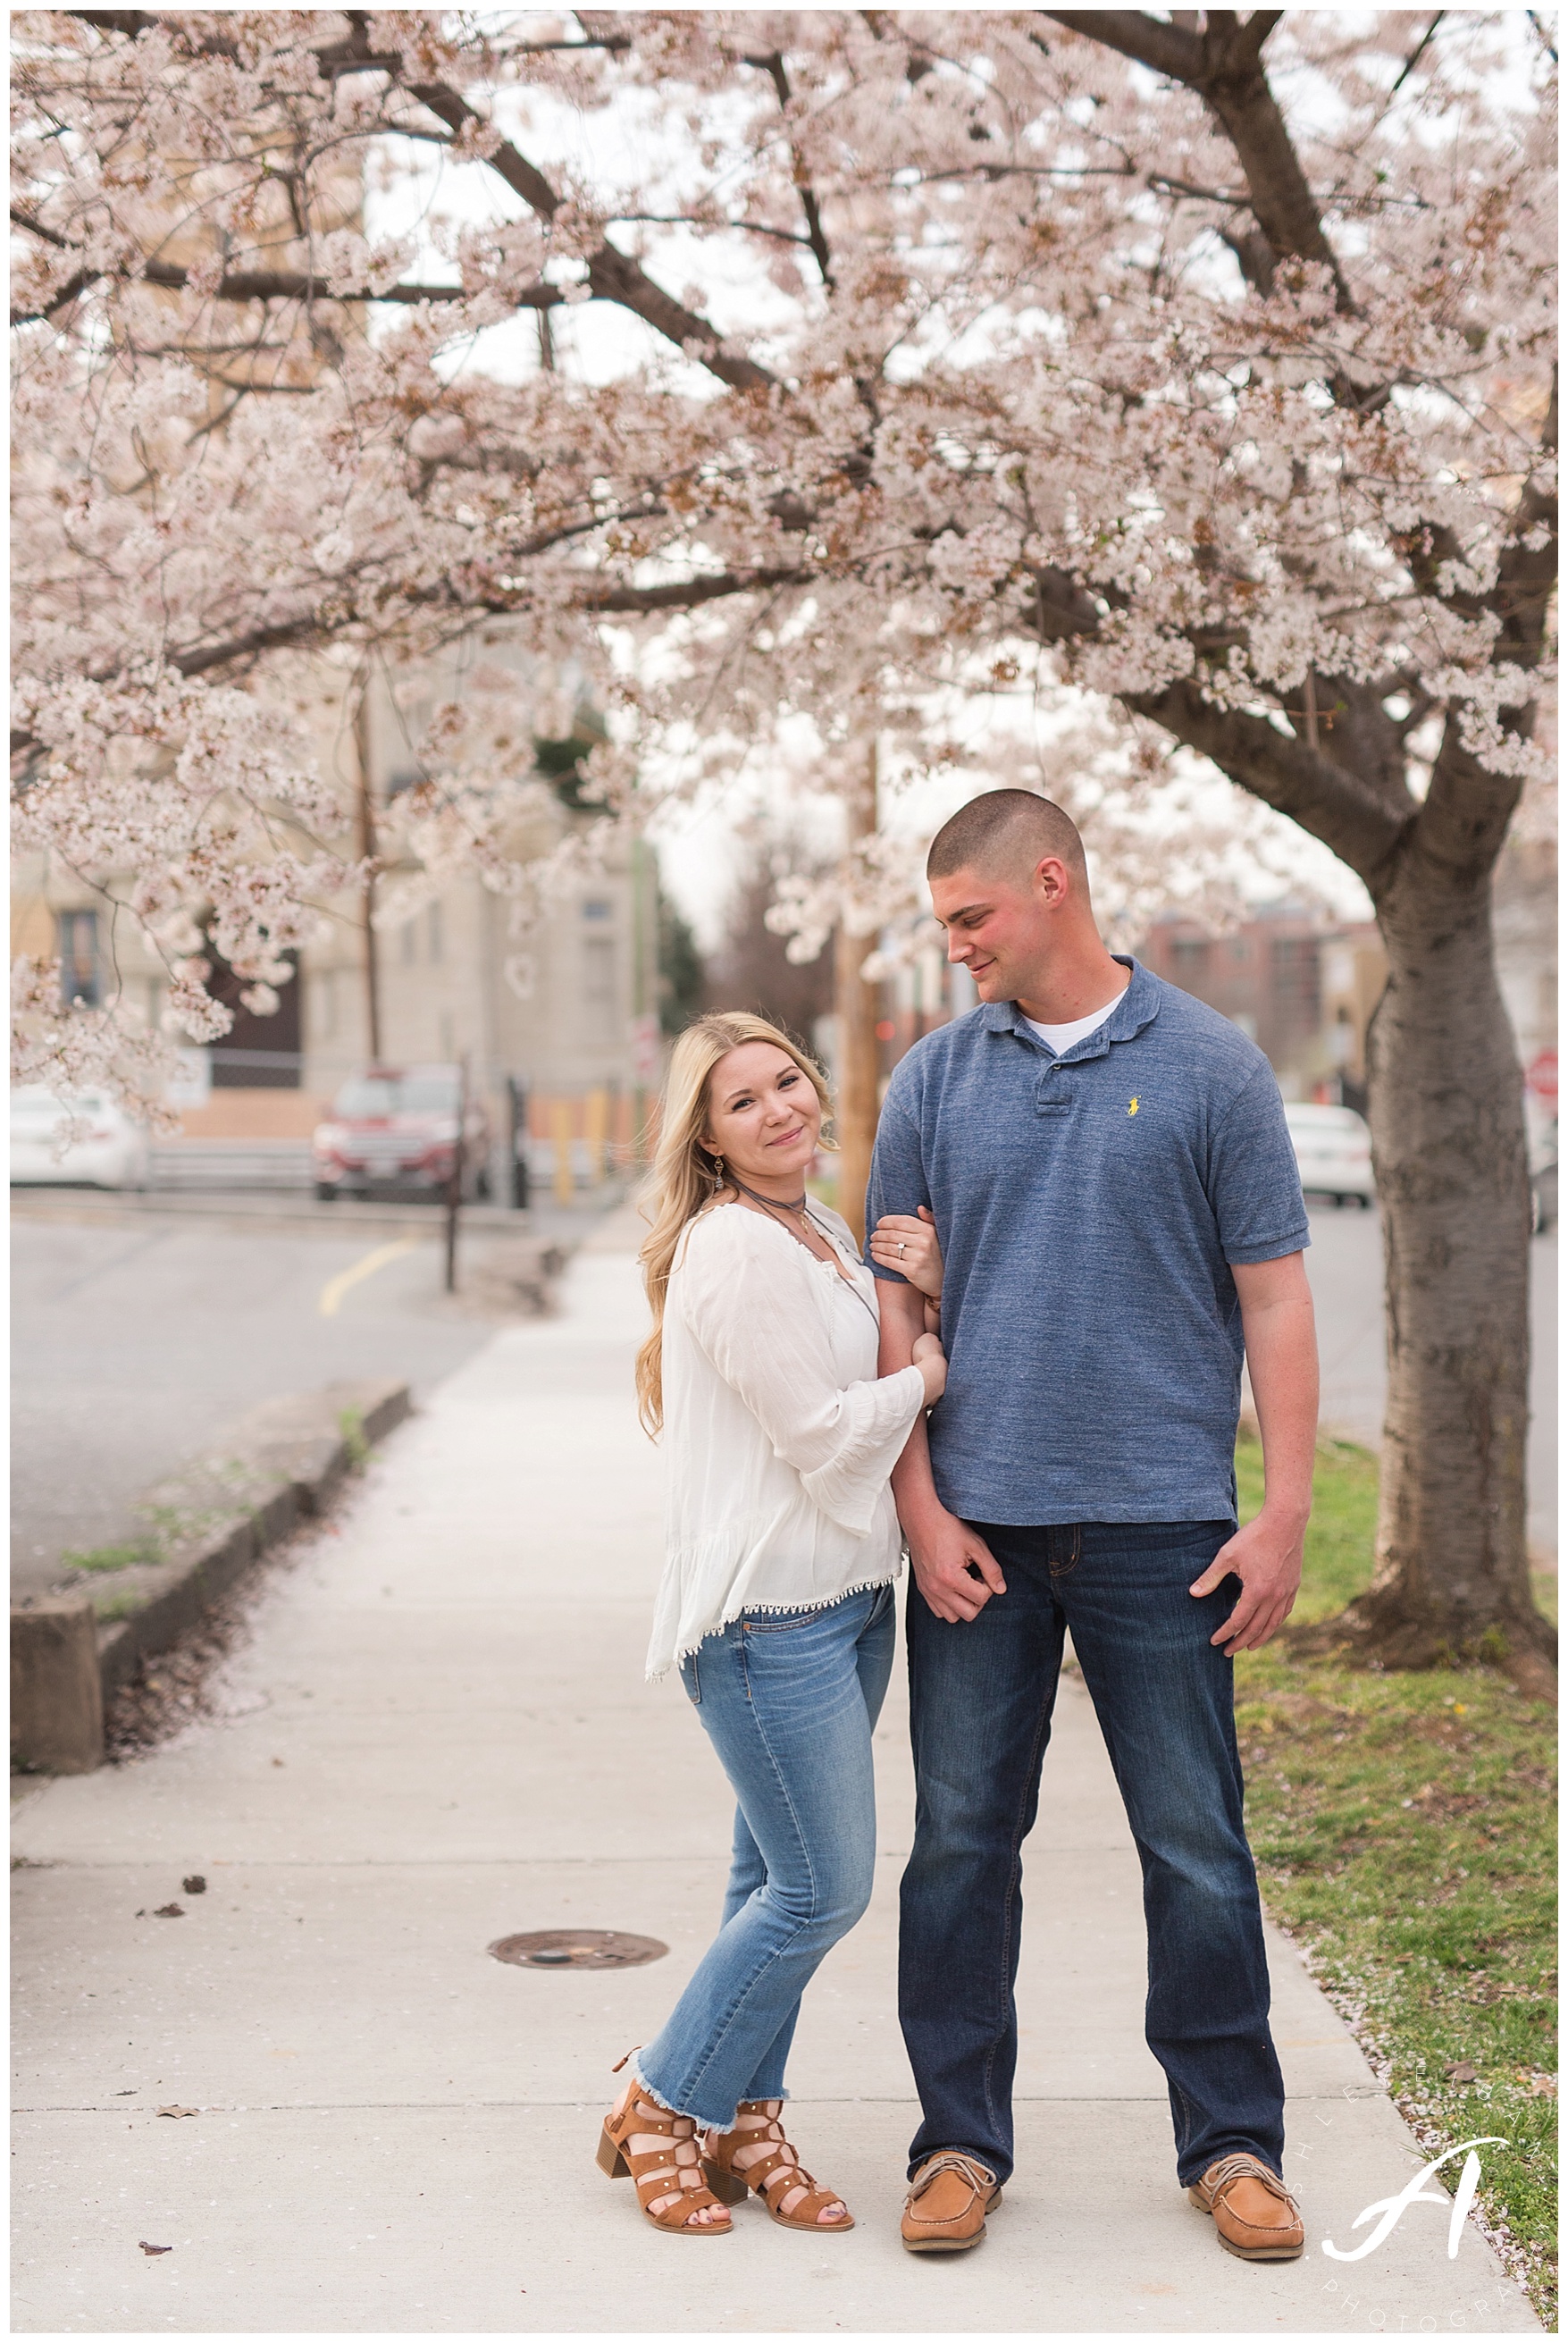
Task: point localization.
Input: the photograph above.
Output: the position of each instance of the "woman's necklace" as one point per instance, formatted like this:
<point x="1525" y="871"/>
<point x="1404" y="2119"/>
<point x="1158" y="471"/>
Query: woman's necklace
<point x="799" y="1205"/>
<point x="772" y="1203"/>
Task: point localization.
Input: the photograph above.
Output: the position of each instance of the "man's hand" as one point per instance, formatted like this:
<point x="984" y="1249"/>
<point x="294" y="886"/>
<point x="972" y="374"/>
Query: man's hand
<point x="941" y="1557"/>
<point x="941" y="1550"/>
<point x="1283" y="1362"/>
<point x="1266" y="1556"/>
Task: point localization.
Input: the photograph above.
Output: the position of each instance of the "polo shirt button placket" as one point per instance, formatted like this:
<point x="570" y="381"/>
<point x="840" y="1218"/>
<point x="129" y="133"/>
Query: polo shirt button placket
<point x="1051" y="1096"/>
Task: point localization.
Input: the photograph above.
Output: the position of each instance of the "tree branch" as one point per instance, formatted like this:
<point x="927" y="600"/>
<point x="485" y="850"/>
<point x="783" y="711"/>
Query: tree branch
<point x="1356" y="822"/>
<point x="611" y="275"/>
<point x="1416" y="53"/>
<point x="815" y="236"/>
<point x="1223" y="66"/>
<point x="1165" y="48"/>
<point x="691" y="593"/>
<point x="1247" y="44"/>
<point x="1468" y="806"/>
<point x="269" y="284"/>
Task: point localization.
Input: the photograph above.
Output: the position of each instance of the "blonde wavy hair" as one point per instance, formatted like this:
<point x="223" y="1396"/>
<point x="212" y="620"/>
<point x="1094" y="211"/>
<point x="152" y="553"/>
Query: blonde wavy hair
<point x="685" y="1176"/>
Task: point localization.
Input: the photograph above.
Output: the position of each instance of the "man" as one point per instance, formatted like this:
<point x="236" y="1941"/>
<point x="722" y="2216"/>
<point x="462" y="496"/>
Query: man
<point x="1119" y="1208"/>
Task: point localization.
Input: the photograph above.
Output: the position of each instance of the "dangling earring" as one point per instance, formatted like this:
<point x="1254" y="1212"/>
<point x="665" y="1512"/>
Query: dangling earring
<point x="718" y="1172"/>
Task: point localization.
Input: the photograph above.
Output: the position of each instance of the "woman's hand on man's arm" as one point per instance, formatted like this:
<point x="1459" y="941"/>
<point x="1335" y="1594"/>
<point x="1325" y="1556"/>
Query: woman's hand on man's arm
<point x="907" y="1243"/>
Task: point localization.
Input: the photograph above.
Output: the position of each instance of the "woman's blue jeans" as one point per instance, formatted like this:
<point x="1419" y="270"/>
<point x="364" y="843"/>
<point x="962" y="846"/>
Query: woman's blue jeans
<point x="788" y="1699"/>
<point x="980" y="1701"/>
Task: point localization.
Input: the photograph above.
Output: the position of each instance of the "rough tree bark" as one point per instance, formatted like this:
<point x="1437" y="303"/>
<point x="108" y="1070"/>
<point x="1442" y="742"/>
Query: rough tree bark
<point x="1448" y="1143"/>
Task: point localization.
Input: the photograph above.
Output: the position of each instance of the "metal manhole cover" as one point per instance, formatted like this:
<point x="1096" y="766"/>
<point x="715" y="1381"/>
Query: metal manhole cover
<point x="576" y="1948"/>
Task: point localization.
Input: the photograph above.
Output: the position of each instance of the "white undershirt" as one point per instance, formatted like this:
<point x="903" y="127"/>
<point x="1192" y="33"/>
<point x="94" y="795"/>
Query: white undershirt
<point x="1062" y="1037"/>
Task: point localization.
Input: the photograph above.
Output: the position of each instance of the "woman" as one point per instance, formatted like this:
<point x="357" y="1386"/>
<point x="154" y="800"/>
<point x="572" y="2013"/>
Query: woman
<point x="777" y="1600"/>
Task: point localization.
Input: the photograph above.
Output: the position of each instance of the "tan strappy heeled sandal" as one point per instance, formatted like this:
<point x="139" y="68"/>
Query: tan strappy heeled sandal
<point x="659" y="2150"/>
<point x="756" y="2155"/>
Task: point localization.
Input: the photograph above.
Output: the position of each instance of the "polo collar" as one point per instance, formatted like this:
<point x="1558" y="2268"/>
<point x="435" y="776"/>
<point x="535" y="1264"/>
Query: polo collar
<point x="1139" y="1006"/>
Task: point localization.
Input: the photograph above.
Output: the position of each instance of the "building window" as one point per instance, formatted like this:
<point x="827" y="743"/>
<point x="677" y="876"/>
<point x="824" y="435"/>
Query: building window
<point x="80" y="978"/>
<point x="597" y="909"/>
<point x="1190" y="960"/>
<point x="434" y="931"/>
<point x="1296" y="970"/>
<point x="257" y="1052"/>
<point x="410" y="943"/>
<point x="598" y="987"/>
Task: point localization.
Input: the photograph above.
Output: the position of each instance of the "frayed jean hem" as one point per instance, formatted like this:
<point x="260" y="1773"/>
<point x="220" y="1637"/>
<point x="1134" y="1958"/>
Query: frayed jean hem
<point x="665" y="2100"/>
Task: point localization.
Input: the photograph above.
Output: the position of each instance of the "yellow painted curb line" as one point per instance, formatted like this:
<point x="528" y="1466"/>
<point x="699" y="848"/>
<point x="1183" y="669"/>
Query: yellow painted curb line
<point x="333" y="1292"/>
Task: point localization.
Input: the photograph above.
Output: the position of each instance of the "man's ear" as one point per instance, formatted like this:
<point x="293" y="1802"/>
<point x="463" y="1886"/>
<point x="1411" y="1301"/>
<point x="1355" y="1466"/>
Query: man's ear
<point x="1050" y="879"/>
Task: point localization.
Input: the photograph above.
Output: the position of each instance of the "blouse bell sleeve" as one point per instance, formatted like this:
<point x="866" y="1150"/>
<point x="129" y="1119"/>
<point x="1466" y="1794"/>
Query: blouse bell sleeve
<point x="754" y="1313"/>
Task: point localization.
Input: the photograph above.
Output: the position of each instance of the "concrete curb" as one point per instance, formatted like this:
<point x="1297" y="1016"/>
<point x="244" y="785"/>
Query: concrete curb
<point x="277" y="1465"/>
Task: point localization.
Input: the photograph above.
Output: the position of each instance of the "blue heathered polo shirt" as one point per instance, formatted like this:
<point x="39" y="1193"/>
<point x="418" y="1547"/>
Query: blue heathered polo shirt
<point x="1089" y="1208"/>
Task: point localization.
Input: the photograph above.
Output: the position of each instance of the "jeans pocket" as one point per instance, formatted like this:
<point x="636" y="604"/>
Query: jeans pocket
<point x="781" y="1622"/>
<point x="690" y="1680"/>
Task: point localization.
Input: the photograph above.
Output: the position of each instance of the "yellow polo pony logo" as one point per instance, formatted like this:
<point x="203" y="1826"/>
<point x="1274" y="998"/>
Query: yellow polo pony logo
<point x="1132" y="1106"/>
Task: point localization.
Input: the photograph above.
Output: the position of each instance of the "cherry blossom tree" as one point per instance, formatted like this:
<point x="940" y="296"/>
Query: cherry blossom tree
<point x="1199" y="362"/>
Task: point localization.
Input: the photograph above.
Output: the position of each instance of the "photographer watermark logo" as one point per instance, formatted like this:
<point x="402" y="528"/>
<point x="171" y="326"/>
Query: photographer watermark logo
<point x="1415" y="2192"/>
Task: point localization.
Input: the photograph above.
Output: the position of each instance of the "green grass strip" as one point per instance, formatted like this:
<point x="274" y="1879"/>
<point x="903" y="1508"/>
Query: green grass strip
<point x="1404" y="1826"/>
<point x="131" y="1556"/>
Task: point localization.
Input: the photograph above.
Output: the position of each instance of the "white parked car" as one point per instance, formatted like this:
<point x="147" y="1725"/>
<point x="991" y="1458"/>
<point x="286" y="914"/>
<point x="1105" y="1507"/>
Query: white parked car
<point x="108" y="1150"/>
<point x="1333" y="1152"/>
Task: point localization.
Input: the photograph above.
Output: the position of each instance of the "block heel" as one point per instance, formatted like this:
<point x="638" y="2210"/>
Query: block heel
<point x="727" y="2186"/>
<point x="658" y="2151"/>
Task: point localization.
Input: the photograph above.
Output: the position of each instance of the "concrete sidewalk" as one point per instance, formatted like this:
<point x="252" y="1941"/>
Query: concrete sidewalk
<point x="438" y="1736"/>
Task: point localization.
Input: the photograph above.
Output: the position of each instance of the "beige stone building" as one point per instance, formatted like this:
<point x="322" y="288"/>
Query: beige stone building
<point x="568" y="1012"/>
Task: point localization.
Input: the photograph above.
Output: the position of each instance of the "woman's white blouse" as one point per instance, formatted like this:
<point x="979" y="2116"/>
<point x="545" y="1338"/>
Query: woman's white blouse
<point x="779" y="1437"/>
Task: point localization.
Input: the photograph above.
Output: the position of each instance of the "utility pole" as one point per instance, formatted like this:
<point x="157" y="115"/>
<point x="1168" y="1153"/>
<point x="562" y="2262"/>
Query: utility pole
<point x="455" y="1184"/>
<point x="368" y="851"/>
<point x="855" y="1003"/>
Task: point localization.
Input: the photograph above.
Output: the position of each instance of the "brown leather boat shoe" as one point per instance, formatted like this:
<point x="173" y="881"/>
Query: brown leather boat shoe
<point x="948" y="2198"/>
<point x="1255" y="2216"/>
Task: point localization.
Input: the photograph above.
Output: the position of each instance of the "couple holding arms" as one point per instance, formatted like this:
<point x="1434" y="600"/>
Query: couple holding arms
<point x="1087" y="1185"/>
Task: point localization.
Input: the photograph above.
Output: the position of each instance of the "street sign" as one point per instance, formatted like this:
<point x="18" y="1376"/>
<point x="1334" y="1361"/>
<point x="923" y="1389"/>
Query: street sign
<point x="190" y="1084"/>
<point x="1541" y="1076"/>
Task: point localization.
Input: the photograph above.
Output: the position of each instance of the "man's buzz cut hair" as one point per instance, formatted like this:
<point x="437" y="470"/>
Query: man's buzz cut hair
<point x="1007" y="833"/>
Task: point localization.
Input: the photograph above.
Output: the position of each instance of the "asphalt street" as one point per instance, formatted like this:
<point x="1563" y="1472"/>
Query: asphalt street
<point x="136" y="1335"/>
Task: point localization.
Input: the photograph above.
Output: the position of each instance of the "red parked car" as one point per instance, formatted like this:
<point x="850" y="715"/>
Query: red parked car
<point x="396" y="1127"/>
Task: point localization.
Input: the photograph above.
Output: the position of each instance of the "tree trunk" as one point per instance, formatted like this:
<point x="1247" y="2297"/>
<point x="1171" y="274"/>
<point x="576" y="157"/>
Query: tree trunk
<point x="1446" y="1109"/>
<point x="855" y="1003"/>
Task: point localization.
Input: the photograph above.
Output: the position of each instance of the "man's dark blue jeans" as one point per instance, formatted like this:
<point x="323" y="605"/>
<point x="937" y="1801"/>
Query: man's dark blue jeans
<point x="982" y="1696"/>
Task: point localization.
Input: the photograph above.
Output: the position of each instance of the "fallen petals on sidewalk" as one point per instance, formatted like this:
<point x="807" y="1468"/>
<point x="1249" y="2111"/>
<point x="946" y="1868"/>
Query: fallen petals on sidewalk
<point x="178" y="2111"/>
<point x="194" y="1885"/>
<point x="153" y="2249"/>
<point x="170" y="1912"/>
